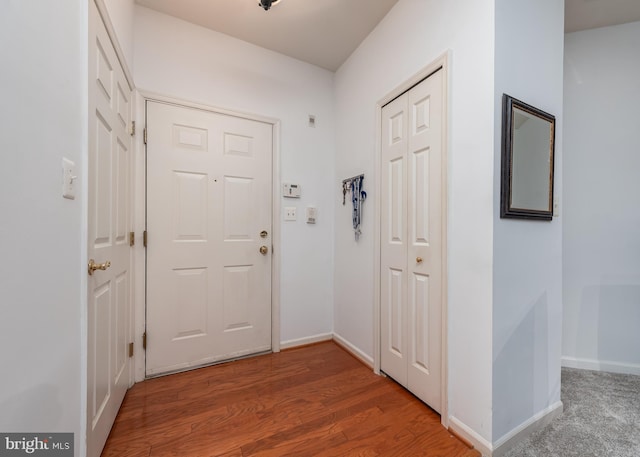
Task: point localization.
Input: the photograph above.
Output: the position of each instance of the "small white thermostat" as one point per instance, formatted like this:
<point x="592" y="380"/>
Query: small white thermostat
<point x="312" y="214"/>
<point x="291" y="190"/>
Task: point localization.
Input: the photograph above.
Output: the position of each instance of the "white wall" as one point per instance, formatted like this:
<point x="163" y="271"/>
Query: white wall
<point x="602" y="199"/>
<point x="182" y="60"/>
<point x="43" y="118"/>
<point x="527" y="280"/>
<point x="412" y="35"/>
<point x="121" y="14"/>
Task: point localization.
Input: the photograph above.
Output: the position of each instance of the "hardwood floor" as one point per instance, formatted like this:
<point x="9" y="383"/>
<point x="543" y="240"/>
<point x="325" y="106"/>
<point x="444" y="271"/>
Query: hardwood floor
<point x="311" y="401"/>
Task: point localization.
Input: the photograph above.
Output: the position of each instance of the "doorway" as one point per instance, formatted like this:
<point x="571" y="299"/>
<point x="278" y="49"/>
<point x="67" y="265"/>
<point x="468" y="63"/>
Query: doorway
<point x="210" y="236"/>
<point x="411" y="216"/>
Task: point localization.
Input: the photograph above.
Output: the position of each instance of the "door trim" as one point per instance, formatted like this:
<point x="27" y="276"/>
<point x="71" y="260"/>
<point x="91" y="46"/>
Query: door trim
<point x="442" y="63"/>
<point x="141" y="202"/>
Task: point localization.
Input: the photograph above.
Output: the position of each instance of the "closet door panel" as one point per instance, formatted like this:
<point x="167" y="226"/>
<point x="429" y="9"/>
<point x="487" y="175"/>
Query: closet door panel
<point x="393" y="274"/>
<point x="425" y="241"/>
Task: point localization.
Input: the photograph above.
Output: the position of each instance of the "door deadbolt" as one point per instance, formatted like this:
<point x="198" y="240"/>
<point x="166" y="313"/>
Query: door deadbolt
<point x="263" y="234"/>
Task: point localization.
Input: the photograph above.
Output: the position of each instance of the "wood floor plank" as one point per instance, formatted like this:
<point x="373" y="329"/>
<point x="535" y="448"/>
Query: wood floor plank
<point x="312" y="401"/>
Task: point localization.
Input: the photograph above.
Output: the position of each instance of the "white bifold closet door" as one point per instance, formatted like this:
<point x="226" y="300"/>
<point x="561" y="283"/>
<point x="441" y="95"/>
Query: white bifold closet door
<point x="411" y="239"/>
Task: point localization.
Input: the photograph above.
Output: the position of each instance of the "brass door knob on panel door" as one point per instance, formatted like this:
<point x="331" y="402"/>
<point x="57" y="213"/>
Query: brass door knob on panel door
<point x="419" y="259"/>
<point x="93" y="266"/>
<point x="264" y="250"/>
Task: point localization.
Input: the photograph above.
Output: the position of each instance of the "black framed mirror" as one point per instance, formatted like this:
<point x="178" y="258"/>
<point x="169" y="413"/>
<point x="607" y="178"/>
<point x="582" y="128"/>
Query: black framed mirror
<point x="528" y="146"/>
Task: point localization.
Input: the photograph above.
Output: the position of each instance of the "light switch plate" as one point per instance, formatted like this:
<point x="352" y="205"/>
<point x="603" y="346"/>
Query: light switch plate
<point x="290" y="213"/>
<point x="69" y="179"/>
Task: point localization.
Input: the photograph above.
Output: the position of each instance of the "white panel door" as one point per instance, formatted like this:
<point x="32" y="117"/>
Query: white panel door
<point x="424" y="259"/>
<point x="393" y="238"/>
<point x="411" y="239"/>
<point x="208" y="204"/>
<point x="109" y="217"/>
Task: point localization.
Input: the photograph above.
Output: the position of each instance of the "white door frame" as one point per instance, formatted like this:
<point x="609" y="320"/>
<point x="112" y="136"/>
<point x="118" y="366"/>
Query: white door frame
<point x="441" y="62"/>
<point x="140" y="218"/>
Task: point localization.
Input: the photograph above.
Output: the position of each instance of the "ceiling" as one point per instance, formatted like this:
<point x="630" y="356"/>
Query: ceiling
<point x="321" y="32"/>
<point x="326" y="32"/>
<point x="590" y="14"/>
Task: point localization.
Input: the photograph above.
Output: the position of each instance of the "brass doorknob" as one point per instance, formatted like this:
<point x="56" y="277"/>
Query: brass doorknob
<point x="419" y="259"/>
<point x="264" y="250"/>
<point x="93" y="266"/>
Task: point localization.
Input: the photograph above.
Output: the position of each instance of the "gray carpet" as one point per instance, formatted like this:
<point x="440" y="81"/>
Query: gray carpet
<point x="601" y="419"/>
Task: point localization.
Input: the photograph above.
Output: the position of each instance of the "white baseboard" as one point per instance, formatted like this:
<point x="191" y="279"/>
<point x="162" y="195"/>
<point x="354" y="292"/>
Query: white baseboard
<point x="353" y="350"/>
<point x="340" y="341"/>
<point x="306" y="340"/>
<point x="537" y="422"/>
<point x="466" y="433"/>
<point x="601" y="365"/>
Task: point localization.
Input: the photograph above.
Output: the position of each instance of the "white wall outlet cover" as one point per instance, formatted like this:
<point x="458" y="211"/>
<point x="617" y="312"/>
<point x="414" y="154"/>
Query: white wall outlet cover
<point x="312" y="214"/>
<point x="69" y="179"/>
<point x="290" y="213"/>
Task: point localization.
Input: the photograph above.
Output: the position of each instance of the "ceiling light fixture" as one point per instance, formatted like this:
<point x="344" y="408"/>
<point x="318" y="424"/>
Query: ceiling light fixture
<point x="266" y="4"/>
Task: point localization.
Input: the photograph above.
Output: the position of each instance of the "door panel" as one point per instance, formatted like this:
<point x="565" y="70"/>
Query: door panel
<point x="396" y="214"/>
<point x="420" y="314"/>
<point x="425" y="197"/>
<point x="109" y="212"/>
<point x="237" y="301"/>
<point x="393" y="284"/>
<point x="420" y="191"/>
<point x="208" y="199"/>
<point x="411" y="239"/>
<point x="191" y="203"/>
<point x="238" y="193"/>
<point x="191" y="292"/>
<point x="396" y="316"/>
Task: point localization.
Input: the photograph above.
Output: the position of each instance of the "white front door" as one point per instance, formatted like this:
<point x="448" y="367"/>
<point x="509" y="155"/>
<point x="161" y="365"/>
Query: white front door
<point x="411" y="239"/>
<point x="109" y="216"/>
<point x="209" y="237"/>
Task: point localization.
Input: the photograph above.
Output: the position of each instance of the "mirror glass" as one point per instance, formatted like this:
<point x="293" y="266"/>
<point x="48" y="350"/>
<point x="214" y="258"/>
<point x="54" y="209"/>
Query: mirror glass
<point x="527" y="161"/>
<point x="531" y="167"/>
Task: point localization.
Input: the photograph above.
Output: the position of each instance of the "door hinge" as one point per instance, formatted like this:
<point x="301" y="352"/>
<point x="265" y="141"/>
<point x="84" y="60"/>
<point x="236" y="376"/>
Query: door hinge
<point x="132" y="238"/>
<point x="133" y="128"/>
<point x="130" y="349"/>
<point x="144" y="341"/>
<point x="144" y="238"/>
<point x="144" y="135"/>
